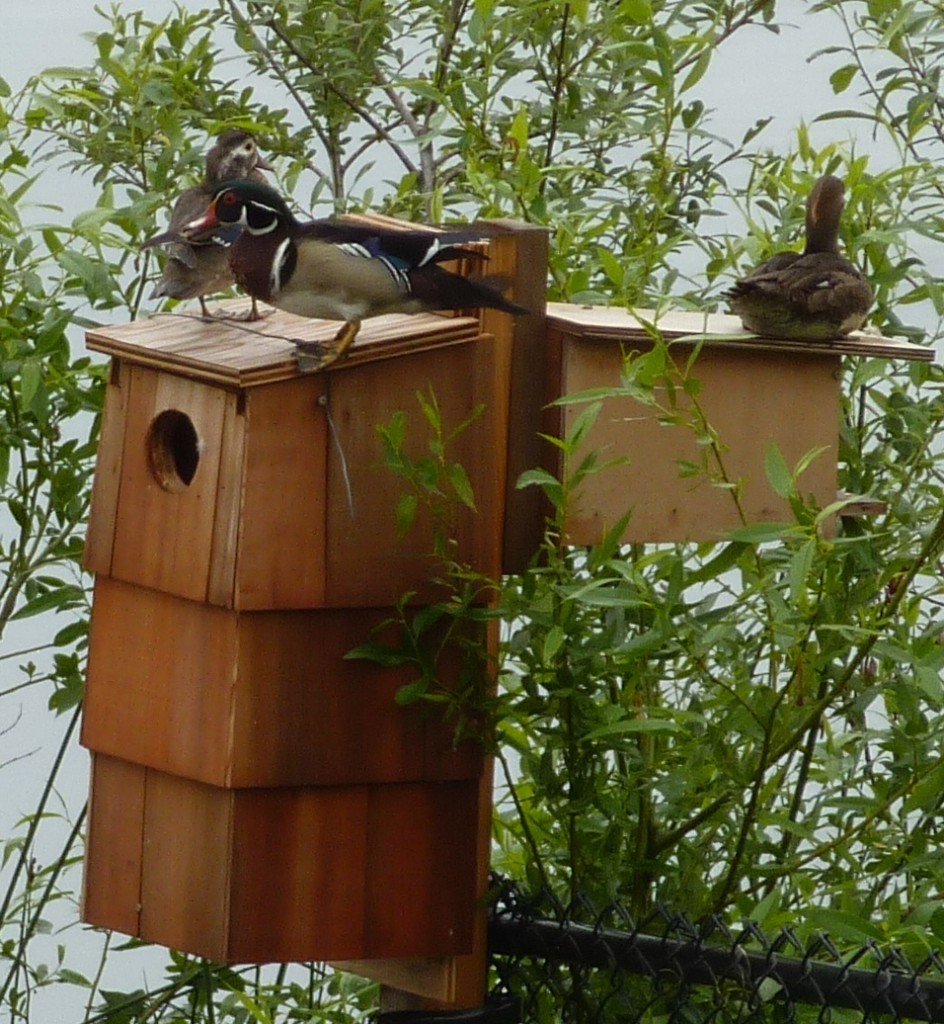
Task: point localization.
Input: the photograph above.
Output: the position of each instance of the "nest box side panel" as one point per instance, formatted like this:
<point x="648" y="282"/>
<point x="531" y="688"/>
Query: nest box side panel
<point x="100" y="539"/>
<point x="186" y="864"/>
<point x="422" y="884"/>
<point x="299" y="871"/>
<point x="305" y="715"/>
<point x="368" y="562"/>
<point x="160" y="680"/>
<point x="241" y="699"/>
<point x="352" y="872"/>
<point x="168" y="490"/>
<point x="281" y="560"/>
<point x="749" y="398"/>
<point x="454" y="981"/>
<point x="113" y="846"/>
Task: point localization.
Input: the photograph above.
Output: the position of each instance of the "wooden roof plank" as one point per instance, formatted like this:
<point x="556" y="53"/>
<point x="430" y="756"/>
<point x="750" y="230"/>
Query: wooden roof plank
<point x="611" y="323"/>
<point x="237" y="353"/>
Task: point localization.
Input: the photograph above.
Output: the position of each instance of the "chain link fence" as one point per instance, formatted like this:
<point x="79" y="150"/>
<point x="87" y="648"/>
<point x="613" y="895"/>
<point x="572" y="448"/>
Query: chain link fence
<point x="577" y="964"/>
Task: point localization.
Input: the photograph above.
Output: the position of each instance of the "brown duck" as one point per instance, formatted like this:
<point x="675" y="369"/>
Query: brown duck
<point x="199" y="267"/>
<point x="816" y="295"/>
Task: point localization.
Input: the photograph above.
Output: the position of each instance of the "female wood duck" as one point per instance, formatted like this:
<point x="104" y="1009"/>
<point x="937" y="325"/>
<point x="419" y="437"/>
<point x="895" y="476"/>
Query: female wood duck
<point x="816" y="295"/>
<point x="336" y="270"/>
<point x="199" y="267"/>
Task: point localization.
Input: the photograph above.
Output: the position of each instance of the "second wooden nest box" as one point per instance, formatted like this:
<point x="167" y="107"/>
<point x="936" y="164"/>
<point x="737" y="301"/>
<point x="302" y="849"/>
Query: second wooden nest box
<point x="753" y="392"/>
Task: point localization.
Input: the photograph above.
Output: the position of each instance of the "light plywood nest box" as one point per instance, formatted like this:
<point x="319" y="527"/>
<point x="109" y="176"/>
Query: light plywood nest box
<point x="752" y="392"/>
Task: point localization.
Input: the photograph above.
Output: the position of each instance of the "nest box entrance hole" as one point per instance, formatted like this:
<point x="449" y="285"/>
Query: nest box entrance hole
<point x="173" y="449"/>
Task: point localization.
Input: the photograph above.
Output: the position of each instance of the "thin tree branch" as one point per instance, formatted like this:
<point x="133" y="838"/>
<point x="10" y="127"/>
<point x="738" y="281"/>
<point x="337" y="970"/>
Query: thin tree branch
<point x="383" y="134"/>
<point x="280" y="71"/>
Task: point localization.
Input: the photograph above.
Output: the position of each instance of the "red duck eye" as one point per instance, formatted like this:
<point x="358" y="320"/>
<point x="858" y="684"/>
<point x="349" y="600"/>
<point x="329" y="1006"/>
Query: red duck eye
<point x="230" y="198"/>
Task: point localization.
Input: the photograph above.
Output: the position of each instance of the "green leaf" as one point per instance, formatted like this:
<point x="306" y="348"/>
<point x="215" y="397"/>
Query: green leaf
<point x="582" y="425"/>
<point x="839" y="924"/>
<point x="73" y="978"/>
<point x="553" y="642"/>
<point x="808" y="458"/>
<point x="928" y="791"/>
<point x="768" y="905"/>
<point x="69" y="634"/>
<point x="536" y="478"/>
<point x="380" y="654"/>
<point x="800" y="566"/>
<point x="59" y="598"/>
<point x="937" y="924"/>
<point x="406" y="513"/>
<point x="726" y="559"/>
<point x="638" y="11"/>
<point x="631" y="726"/>
<point x="426" y="618"/>
<point x="762" y="533"/>
<point x="431" y="411"/>
<point x="697" y="72"/>
<point x="613" y="266"/>
<point x="31" y="376"/>
<point x="842" y="77"/>
<point x="92" y="220"/>
<point x="777" y="471"/>
<point x="412" y="692"/>
<point x="461" y="484"/>
<point x="518" y="129"/>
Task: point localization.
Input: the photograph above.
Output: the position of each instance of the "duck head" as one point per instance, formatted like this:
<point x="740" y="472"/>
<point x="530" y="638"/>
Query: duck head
<point x="235" y="154"/>
<point x="256" y="209"/>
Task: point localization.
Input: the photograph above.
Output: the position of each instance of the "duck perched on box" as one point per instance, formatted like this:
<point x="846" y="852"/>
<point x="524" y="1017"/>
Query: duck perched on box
<point x="816" y="295"/>
<point x="197" y="267"/>
<point x="339" y="270"/>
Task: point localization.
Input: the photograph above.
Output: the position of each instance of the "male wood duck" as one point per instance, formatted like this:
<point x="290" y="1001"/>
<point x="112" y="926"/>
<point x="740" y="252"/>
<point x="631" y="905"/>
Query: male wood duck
<point x="200" y="266"/>
<point x="816" y="295"/>
<point x="337" y="270"/>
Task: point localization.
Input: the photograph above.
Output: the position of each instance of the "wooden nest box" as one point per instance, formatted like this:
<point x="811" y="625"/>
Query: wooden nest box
<point x="751" y="392"/>
<point x="255" y="796"/>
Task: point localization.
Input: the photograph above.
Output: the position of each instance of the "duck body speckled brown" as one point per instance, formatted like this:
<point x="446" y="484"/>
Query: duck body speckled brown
<point x="198" y="267"/>
<point x="816" y="295"/>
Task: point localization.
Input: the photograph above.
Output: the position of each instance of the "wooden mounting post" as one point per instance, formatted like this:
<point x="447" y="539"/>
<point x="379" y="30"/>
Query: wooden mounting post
<point x="519" y="252"/>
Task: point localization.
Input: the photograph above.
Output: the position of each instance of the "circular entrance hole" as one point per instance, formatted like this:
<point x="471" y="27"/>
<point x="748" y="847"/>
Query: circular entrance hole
<point x="173" y="450"/>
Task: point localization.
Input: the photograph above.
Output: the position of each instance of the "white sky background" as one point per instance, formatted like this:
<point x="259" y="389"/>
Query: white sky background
<point x="757" y="75"/>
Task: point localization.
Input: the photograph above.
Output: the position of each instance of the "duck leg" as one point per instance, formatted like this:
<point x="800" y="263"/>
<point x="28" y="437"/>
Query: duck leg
<point x="316" y="355"/>
<point x="343" y="340"/>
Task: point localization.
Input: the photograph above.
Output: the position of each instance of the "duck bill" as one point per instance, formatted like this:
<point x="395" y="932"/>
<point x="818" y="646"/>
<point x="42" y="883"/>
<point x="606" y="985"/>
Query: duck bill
<point x="262" y="164"/>
<point x="203" y="226"/>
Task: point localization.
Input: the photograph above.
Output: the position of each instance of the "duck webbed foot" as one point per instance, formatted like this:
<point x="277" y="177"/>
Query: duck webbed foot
<point x="316" y="355"/>
<point x="247" y="316"/>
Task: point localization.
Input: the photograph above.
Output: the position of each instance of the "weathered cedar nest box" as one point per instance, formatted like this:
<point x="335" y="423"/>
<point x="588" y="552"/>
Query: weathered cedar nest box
<point x="753" y="392"/>
<point x="255" y="797"/>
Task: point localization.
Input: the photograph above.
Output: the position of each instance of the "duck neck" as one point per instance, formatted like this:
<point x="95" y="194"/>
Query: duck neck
<point x="823" y="212"/>
<point x="822" y="237"/>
